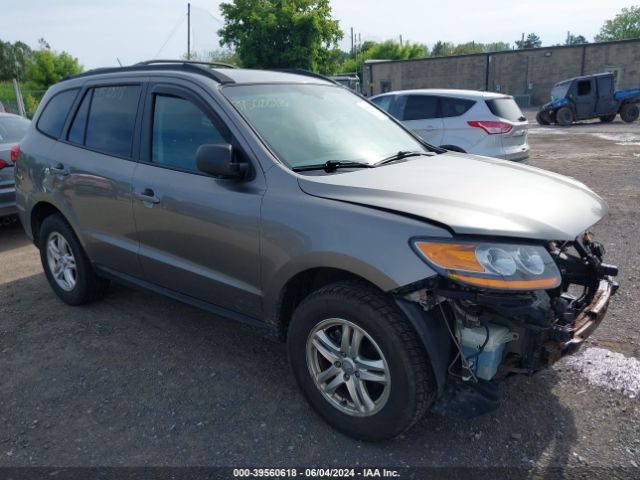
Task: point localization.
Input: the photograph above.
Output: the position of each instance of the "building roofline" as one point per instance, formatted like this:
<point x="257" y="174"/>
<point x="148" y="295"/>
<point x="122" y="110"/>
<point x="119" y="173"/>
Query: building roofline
<point x="506" y="52"/>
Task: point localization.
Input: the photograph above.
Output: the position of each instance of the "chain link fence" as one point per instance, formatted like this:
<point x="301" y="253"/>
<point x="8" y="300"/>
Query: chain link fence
<point x="31" y="98"/>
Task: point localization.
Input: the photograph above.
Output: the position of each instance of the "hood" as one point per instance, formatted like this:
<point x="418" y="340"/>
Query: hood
<point x="471" y="195"/>
<point x="555" y="103"/>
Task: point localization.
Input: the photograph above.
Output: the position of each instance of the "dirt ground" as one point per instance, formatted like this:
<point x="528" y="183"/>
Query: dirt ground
<point x="139" y="380"/>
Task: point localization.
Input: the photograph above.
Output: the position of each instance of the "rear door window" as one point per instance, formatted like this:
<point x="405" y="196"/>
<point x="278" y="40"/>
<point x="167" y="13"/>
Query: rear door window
<point x="454" y="107"/>
<point x="111" y="119"/>
<point x="420" y="107"/>
<point x="179" y="128"/>
<point x="506" y="108"/>
<point x="55" y="113"/>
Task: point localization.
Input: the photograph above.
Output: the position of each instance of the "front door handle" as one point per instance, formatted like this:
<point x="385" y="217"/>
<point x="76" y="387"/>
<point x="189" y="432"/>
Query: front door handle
<point x="147" y="196"/>
<point x="58" y="169"/>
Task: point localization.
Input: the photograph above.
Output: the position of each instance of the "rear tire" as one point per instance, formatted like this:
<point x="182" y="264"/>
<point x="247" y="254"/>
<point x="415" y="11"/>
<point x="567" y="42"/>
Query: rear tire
<point x="386" y="408"/>
<point x="564" y="116"/>
<point x="608" y="118"/>
<point x="66" y="265"/>
<point x="629" y="112"/>
<point x="543" y="118"/>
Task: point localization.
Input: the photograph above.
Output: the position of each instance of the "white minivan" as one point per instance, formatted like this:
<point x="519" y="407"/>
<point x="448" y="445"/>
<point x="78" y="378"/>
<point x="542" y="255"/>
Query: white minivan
<point x="482" y="123"/>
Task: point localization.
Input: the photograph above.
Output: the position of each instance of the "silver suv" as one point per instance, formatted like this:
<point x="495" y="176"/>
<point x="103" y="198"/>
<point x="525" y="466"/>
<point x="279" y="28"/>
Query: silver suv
<point x="402" y="277"/>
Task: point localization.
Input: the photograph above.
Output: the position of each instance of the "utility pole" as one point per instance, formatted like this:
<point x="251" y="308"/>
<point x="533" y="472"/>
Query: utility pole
<point x="188" y="31"/>
<point x="352" y="41"/>
<point x="400" y="41"/>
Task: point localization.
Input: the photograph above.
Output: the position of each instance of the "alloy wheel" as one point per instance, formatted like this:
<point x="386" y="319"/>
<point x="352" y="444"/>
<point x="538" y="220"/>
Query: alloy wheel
<point x="348" y="367"/>
<point x="62" y="263"/>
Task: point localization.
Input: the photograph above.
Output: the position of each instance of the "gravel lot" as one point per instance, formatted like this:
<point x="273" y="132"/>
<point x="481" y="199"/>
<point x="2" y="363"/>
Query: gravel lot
<point x="140" y="380"/>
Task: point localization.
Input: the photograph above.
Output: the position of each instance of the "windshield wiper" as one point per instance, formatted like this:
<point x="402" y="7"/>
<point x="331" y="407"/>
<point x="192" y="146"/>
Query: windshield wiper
<point x="331" y="166"/>
<point x="402" y="154"/>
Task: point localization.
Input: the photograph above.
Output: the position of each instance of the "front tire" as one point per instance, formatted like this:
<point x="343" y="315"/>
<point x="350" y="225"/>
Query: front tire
<point x="66" y="265"/>
<point x="629" y="113"/>
<point x="564" y="116"/>
<point x="358" y="361"/>
<point x="543" y="118"/>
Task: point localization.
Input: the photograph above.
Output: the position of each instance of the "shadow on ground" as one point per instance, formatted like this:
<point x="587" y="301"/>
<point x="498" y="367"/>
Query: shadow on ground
<point x="141" y="380"/>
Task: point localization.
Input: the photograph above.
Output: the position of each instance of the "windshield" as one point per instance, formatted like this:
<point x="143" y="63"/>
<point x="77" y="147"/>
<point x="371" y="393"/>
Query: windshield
<point x="12" y="129"/>
<point x="314" y="124"/>
<point x="559" y="91"/>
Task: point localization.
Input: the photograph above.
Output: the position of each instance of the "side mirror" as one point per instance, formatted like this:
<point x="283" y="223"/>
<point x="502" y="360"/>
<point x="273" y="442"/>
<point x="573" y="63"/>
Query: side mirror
<point x="217" y="160"/>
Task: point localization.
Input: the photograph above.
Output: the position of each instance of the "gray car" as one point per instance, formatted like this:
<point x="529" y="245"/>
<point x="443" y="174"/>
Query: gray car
<point x="12" y="129"/>
<point x="403" y="278"/>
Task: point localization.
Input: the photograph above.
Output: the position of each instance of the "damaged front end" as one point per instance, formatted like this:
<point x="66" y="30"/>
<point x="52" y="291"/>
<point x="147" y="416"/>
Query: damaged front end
<point x="504" y="328"/>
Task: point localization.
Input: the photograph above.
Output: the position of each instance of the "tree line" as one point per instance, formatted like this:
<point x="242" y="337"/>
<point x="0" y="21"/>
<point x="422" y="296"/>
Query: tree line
<point x="303" y="34"/>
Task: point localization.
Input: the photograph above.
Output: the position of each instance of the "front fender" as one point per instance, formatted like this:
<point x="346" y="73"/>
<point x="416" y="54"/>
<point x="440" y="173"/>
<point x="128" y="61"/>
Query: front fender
<point x="302" y="232"/>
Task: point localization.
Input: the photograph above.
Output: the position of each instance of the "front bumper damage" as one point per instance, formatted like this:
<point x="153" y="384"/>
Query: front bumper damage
<point x="546" y="324"/>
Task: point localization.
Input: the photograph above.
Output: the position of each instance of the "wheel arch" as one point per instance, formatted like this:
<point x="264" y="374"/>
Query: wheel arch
<point x="303" y="283"/>
<point x="39" y="212"/>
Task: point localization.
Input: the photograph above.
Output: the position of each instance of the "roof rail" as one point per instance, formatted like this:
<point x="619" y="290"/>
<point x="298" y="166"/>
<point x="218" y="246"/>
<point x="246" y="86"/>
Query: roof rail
<point x="171" y="65"/>
<point x="306" y="73"/>
<point x="194" y="62"/>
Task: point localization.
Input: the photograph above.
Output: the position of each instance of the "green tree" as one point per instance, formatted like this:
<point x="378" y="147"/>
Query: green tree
<point x="50" y="67"/>
<point x="624" y="26"/>
<point x="221" y="55"/>
<point x="387" y="50"/>
<point x="532" y="41"/>
<point x="281" y="33"/>
<point x="442" y="49"/>
<point x="575" y="39"/>
<point x="15" y="59"/>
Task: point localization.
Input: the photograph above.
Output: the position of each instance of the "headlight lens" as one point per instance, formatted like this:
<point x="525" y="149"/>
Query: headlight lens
<point x="499" y="266"/>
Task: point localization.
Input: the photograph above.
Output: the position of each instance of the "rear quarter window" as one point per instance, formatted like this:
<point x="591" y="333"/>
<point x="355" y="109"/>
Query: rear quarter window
<point x="454" y="107"/>
<point x="55" y="113"/>
<point x="506" y="108"/>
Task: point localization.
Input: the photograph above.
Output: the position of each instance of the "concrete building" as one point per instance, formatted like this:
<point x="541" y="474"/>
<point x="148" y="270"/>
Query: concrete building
<point x="527" y="74"/>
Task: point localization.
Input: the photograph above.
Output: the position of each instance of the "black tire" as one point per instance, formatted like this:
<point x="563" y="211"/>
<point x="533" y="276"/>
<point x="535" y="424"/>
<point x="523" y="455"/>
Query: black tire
<point x="564" y="116"/>
<point x="543" y="118"/>
<point x="411" y="387"/>
<point x="88" y="286"/>
<point x="453" y="148"/>
<point x="629" y="112"/>
<point x="608" y="118"/>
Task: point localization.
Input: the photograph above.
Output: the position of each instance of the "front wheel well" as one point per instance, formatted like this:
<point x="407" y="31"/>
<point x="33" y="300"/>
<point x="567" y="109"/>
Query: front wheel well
<point x="39" y="212"/>
<point x="304" y="283"/>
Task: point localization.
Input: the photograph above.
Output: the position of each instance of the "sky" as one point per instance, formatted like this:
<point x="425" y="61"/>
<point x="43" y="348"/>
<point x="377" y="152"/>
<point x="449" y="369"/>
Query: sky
<point x="101" y="33"/>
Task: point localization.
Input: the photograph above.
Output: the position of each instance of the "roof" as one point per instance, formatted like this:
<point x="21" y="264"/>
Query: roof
<point x="221" y="75"/>
<point x="582" y="77"/>
<point x="470" y="94"/>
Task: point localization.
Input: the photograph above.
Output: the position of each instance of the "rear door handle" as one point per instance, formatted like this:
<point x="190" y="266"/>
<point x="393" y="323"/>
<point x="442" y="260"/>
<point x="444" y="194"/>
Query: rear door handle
<point x="58" y="169"/>
<point x="147" y="195"/>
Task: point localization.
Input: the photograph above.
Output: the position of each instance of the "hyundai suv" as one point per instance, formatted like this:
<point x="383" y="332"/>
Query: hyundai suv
<point x="402" y="277"/>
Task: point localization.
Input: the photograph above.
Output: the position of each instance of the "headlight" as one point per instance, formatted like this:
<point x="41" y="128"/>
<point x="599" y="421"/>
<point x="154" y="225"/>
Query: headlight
<point x="499" y="266"/>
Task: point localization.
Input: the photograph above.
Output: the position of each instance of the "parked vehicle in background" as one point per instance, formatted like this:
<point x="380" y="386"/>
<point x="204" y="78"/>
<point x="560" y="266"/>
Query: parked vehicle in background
<point x="468" y="121"/>
<point x="587" y="97"/>
<point x="348" y="80"/>
<point x="3" y="108"/>
<point x="12" y="129"/>
<point x="403" y="277"/>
